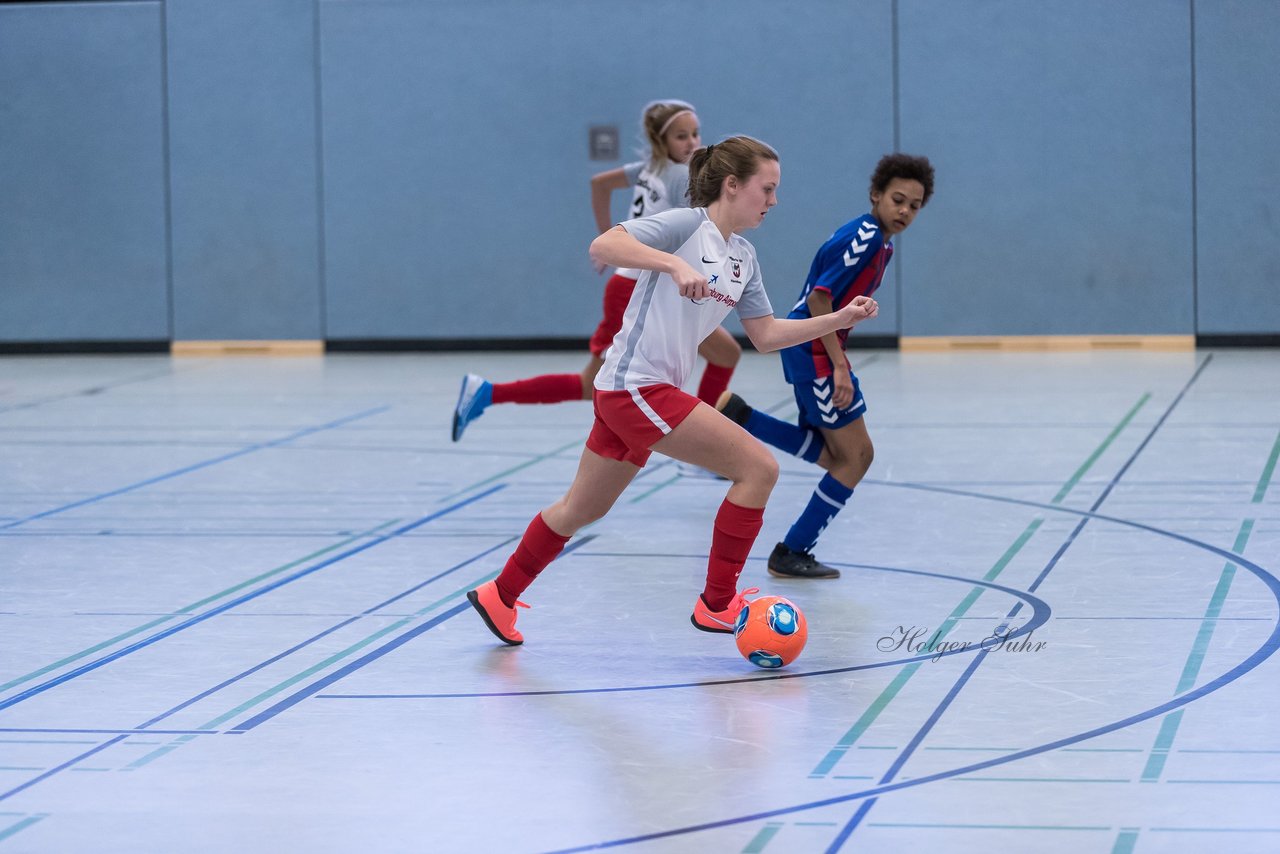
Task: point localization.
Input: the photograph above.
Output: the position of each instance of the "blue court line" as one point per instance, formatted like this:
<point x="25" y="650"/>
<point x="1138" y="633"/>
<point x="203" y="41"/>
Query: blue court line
<point x="369" y="611"/>
<point x="1040" y="615"/>
<point x="1265" y="651"/>
<point x="1169" y="726"/>
<point x="112" y="731"/>
<point x="240" y="600"/>
<point x="195" y="467"/>
<point x="65" y="765"/>
<point x="341" y="673"/>
<point x="186" y="735"/>
<point x="1268" y="648"/>
<point x="938" y="712"/>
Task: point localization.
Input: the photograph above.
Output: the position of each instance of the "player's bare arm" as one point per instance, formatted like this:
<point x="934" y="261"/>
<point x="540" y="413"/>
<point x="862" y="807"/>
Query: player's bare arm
<point x="769" y="333"/>
<point x="617" y="248"/>
<point x="819" y="303"/>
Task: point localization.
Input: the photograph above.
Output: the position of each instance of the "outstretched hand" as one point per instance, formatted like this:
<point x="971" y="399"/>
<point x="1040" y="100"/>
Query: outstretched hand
<point x="860" y="309"/>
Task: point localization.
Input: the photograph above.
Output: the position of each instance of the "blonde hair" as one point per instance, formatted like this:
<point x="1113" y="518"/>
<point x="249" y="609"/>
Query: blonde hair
<point x="655" y="121"/>
<point x="738" y="156"/>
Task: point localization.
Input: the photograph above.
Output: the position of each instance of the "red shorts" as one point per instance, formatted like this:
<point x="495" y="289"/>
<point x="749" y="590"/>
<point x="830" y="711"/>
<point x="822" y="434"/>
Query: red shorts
<point x="617" y="293"/>
<point x="628" y="422"/>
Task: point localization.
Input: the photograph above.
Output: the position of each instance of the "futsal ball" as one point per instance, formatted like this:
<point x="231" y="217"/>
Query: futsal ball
<point x="770" y="632"/>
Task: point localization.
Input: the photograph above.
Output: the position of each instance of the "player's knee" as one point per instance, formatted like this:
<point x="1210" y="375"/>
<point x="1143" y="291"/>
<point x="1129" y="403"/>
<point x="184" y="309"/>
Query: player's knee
<point x="733" y="352"/>
<point x="866" y="455"/>
<point x="766" y="470"/>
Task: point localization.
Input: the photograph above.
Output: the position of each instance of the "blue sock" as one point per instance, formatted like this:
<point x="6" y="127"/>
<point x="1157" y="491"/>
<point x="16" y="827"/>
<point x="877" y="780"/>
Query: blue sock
<point x="803" y="442"/>
<point x="827" y="500"/>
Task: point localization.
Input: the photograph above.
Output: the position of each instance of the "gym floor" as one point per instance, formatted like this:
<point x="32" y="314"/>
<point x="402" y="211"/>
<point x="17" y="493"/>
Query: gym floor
<point x="232" y="616"/>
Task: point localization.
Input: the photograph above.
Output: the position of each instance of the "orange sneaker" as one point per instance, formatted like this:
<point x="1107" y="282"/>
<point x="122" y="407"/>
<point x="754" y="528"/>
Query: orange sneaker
<point x="500" y="619"/>
<point x="704" y="619"/>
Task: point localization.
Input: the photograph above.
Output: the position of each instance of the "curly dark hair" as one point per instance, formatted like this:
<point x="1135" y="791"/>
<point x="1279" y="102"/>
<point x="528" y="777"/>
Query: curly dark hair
<point x="907" y="166"/>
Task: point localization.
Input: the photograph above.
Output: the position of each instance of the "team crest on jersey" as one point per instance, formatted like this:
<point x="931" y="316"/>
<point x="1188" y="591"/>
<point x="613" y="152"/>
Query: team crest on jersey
<point x="736" y="266"/>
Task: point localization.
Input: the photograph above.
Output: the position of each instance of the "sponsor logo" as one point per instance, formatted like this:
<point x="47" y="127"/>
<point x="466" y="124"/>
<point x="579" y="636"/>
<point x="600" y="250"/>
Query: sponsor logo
<point x="717" y="296"/>
<point x="706" y="260"/>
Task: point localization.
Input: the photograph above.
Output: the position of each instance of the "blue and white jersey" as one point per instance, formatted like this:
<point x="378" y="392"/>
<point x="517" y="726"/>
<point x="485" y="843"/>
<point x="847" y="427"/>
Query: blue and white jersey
<point x="661" y="330"/>
<point x="850" y="264"/>
<point x="655" y="191"/>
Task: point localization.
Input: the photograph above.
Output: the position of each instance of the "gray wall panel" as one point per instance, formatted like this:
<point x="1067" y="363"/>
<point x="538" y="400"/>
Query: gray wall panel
<point x="246" y="253"/>
<point x="1062" y="135"/>
<point x="1238" y="165"/>
<point x="455" y="140"/>
<point x="82" y="241"/>
<point x="418" y="168"/>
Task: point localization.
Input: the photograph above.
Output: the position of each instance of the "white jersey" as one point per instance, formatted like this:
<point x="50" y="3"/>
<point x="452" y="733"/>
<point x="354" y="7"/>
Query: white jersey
<point x="661" y="330"/>
<point x="655" y="191"/>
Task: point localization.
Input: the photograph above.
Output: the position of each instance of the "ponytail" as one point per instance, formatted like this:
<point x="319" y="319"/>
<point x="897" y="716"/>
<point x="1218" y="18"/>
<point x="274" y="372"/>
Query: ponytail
<point x="738" y="156"/>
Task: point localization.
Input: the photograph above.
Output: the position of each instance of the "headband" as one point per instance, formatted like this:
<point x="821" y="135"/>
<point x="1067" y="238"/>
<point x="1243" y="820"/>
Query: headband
<point x="667" y="124"/>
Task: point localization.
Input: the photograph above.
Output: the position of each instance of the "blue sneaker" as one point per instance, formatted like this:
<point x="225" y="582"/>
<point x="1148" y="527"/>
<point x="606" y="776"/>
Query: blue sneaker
<point x="473" y="398"/>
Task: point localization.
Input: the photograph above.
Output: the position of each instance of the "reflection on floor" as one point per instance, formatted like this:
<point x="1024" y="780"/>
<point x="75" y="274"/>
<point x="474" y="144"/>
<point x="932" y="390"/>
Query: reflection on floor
<point x="232" y="616"/>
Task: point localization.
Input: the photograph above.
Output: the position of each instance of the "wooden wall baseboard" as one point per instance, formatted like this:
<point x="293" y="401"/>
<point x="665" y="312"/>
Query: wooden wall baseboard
<point x="247" y="348"/>
<point x="1046" y="342"/>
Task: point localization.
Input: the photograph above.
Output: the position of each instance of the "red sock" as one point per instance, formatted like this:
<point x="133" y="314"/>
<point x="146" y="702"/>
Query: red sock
<point x="538" y="547"/>
<point x="548" y="388"/>
<point x="715" y="381"/>
<point x="735" y="532"/>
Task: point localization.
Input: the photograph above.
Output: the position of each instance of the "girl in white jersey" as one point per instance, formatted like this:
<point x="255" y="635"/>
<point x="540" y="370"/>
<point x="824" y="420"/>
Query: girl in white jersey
<point x="696" y="268"/>
<point x="660" y="182"/>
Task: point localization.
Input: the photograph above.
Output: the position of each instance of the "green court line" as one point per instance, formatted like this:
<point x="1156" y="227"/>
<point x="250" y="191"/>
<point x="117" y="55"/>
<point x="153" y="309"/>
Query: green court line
<point x="904" y="675"/>
<point x="761" y="839"/>
<point x="22" y="825"/>
<point x="189" y="608"/>
<point x="1267" y="472"/>
<point x="1200" y="647"/>
<point x="310" y="671"/>
<point x="513" y="469"/>
<point x="1125" y="842"/>
<point x="1195" y="659"/>
<point x="886" y="696"/>
<point x="1106" y="443"/>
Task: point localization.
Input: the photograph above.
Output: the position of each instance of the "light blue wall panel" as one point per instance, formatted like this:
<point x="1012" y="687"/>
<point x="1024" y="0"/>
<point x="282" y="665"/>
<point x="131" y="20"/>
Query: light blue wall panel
<point x="1238" y="165"/>
<point x="1061" y="133"/>
<point x="246" y="235"/>
<point x="82" y="244"/>
<point x="455" y="144"/>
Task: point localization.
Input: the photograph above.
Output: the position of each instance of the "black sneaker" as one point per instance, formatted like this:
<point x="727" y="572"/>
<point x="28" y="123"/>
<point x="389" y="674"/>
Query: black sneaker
<point x="733" y="407"/>
<point x="786" y="563"/>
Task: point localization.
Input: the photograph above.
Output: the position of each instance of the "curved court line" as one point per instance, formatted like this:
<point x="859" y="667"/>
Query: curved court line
<point x="1261" y="654"/>
<point x="1040" y="615"/>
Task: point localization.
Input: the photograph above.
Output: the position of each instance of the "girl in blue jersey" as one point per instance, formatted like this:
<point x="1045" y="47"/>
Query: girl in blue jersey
<point x="696" y="268"/>
<point x="830" y="430"/>
<point x="658" y="183"/>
